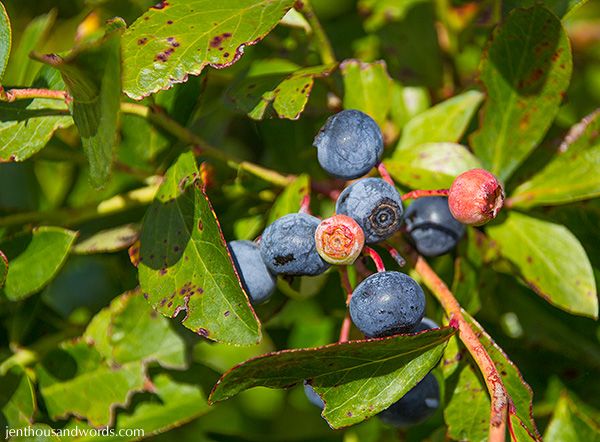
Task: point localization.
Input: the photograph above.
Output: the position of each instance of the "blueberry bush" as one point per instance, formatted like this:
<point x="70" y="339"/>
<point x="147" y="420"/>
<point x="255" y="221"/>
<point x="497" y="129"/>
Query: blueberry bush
<point x="300" y="220"/>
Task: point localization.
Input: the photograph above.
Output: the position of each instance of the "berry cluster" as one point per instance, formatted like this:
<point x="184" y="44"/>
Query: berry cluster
<point x="369" y="211"/>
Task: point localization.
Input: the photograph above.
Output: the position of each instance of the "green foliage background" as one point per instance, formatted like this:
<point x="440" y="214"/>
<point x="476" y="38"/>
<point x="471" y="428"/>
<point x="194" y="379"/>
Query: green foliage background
<point x="176" y="120"/>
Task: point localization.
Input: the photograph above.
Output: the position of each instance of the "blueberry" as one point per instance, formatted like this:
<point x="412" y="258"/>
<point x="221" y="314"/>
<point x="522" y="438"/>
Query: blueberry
<point x="312" y="396"/>
<point x="387" y="303"/>
<point x="288" y="246"/>
<point x="256" y="279"/>
<point x="431" y="227"/>
<point x="475" y="197"/>
<point x="425" y="324"/>
<point x="375" y="205"/>
<point x="415" y="406"/>
<point x="349" y="145"/>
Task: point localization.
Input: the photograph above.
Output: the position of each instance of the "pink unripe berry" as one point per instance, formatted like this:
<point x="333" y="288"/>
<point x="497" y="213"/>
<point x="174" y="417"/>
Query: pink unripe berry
<point x="339" y="240"/>
<point x="475" y="197"/>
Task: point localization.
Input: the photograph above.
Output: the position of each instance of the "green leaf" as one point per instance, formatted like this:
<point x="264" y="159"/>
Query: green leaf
<point x="3" y="268"/>
<point x="286" y="93"/>
<point x="367" y="88"/>
<point x="290" y="199"/>
<point x="525" y="70"/>
<point x="356" y="379"/>
<point x="444" y="122"/>
<point x="467" y="412"/>
<point x="129" y="330"/>
<point x="431" y="165"/>
<point x="518" y="390"/>
<point x="185" y="265"/>
<point x="5" y="39"/>
<point x="92" y="74"/>
<point x="380" y="12"/>
<point x="22" y="69"/>
<point x="17" y="399"/>
<point x="551" y="260"/>
<point x="571" y="423"/>
<point x="109" y="240"/>
<point x="572" y="175"/>
<point x="180" y="37"/>
<point x="27" y="125"/>
<point x="175" y="400"/>
<point x="74" y="380"/>
<point x="35" y="259"/>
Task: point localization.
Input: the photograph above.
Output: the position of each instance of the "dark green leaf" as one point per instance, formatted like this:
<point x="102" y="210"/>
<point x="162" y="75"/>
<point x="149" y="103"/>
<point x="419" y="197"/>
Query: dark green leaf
<point x="467" y="412"/>
<point x="35" y="259"/>
<point x="526" y="69"/>
<point x="184" y="263"/>
<point x="540" y="249"/>
<point x="22" y="70"/>
<point x="27" y="125"/>
<point x="571" y="175"/>
<point x="286" y="93"/>
<point x="92" y="74"/>
<point x="518" y="390"/>
<point x="74" y="380"/>
<point x="570" y="423"/>
<point x="110" y="240"/>
<point x="5" y="39"/>
<point x="431" y="165"/>
<point x="180" y="37"/>
<point x="355" y="379"/>
<point x="444" y="122"/>
<point x="366" y="88"/>
<point x="290" y="199"/>
<point x="17" y="399"/>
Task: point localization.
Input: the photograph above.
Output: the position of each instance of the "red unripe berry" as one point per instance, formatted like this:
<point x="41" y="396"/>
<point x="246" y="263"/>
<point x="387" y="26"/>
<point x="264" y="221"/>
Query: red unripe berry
<point x="475" y="197"/>
<point x="339" y="240"/>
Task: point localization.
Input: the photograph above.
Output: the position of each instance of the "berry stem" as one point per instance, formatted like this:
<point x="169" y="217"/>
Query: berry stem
<point x="415" y="194"/>
<point x="345" y="330"/>
<point x="395" y="254"/>
<point x="25" y="94"/>
<point x="385" y="174"/>
<point x="375" y="257"/>
<point x="493" y="380"/>
<point x="305" y="204"/>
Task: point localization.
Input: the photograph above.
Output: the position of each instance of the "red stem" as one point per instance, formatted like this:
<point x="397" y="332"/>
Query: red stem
<point x="375" y="257"/>
<point x="415" y="194"/>
<point x="385" y="174"/>
<point x="396" y="255"/>
<point x="498" y="395"/>
<point x="345" y="330"/>
<point x="305" y="204"/>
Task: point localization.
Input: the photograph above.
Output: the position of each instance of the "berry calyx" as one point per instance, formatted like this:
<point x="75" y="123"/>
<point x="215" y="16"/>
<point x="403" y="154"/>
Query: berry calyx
<point x="339" y="240"/>
<point x="476" y="197"/>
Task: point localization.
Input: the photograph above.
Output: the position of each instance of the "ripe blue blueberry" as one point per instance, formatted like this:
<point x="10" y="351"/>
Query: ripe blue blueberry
<point x="312" y="396"/>
<point x="256" y="279"/>
<point x="431" y="227"/>
<point x="349" y="145"/>
<point x="387" y="303"/>
<point x="375" y="205"/>
<point x="288" y="246"/>
<point x="415" y="406"/>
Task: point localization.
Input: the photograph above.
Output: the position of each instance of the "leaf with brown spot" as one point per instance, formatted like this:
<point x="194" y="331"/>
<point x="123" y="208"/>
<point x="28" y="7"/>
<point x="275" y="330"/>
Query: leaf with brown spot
<point x="525" y="68"/>
<point x="551" y="259"/>
<point x="356" y="379"/>
<point x="186" y="269"/>
<point x="207" y="32"/>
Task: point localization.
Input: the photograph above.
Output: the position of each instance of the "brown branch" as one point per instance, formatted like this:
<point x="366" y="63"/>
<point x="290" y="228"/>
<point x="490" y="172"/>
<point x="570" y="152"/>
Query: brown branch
<point x="499" y="396"/>
<point x="25" y="94"/>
